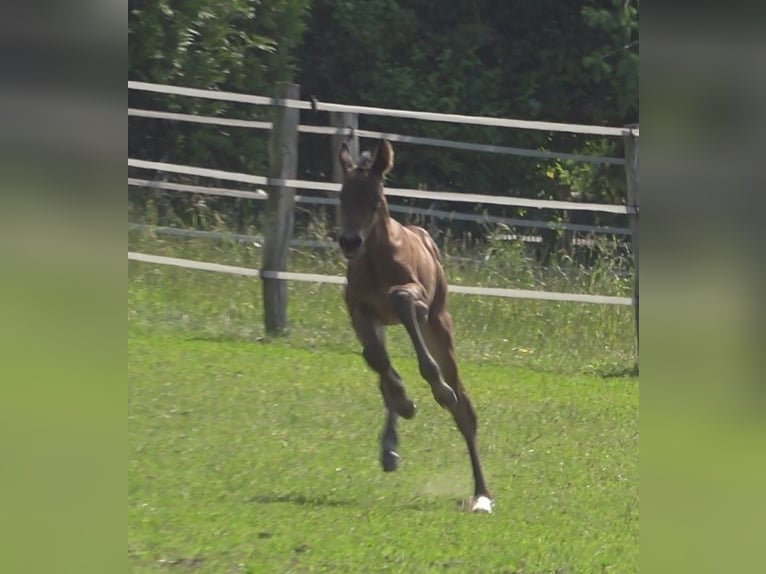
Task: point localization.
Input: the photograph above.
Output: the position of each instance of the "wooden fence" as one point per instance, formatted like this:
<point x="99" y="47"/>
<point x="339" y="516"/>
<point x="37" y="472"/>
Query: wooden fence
<point x="280" y="183"/>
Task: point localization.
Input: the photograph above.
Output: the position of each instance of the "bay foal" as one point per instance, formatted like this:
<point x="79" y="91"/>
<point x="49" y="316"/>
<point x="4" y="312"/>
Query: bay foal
<point x="395" y="276"/>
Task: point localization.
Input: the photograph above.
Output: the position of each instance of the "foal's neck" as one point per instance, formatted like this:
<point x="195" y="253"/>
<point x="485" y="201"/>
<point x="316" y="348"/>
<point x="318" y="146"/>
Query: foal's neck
<point x="384" y="228"/>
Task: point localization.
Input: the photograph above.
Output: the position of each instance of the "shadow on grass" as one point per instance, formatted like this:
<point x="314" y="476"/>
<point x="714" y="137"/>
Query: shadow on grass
<point x="620" y="373"/>
<point x="299" y="500"/>
<point x="224" y="338"/>
<point x="414" y="504"/>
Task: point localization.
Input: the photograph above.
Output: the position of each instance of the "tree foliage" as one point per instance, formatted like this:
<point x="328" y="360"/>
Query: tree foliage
<point x="541" y="59"/>
<point x="560" y="61"/>
<point x="234" y="45"/>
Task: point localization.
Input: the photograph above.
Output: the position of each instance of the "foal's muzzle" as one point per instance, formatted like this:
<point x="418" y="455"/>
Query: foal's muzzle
<point x="350" y="245"/>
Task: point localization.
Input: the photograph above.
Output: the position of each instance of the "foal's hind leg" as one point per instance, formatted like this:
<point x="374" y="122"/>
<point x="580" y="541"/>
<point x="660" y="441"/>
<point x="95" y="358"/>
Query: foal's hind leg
<point x="412" y="310"/>
<point x="438" y="336"/>
<point x="370" y="334"/>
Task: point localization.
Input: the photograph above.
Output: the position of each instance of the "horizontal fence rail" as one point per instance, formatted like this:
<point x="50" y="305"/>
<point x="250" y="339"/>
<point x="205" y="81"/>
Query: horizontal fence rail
<point x="368" y="110"/>
<point x="280" y="187"/>
<point x="213" y="95"/>
<point x="390" y="191"/>
<point x="406" y="210"/>
<point x="486" y="148"/>
<point x="195" y="119"/>
<point x="313" y="243"/>
<point x="368" y="134"/>
<point x="201" y="234"/>
<point x="338" y="280"/>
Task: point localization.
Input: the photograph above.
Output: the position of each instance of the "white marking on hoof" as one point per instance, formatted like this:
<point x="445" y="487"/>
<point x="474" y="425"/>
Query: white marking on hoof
<point x="482" y="504"/>
<point x="389" y="460"/>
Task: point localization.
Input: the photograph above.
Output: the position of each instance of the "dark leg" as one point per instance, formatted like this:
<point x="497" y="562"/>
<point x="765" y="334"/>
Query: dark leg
<point x="370" y="334"/>
<point x="389" y="440"/>
<point x="411" y="310"/>
<point x="438" y="336"/>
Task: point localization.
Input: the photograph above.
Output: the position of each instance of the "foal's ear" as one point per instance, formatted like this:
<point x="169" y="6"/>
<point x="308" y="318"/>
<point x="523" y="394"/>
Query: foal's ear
<point x="345" y="159"/>
<point x="384" y="159"/>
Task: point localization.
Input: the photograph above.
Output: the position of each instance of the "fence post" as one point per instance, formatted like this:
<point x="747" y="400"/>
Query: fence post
<point x="283" y="164"/>
<point x="344" y="121"/>
<point x="631" y="173"/>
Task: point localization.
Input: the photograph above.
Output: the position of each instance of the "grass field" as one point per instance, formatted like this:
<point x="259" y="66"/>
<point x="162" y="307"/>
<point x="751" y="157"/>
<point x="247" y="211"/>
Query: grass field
<point x="255" y="455"/>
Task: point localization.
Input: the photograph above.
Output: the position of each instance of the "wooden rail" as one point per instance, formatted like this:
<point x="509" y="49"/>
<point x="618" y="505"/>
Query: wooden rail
<point x="281" y="183"/>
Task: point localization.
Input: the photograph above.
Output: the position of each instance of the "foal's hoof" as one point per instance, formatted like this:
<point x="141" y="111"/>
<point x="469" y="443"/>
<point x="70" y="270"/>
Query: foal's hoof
<point x="482" y="505"/>
<point x="389" y="460"/>
<point x="405" y="408"/>
<point x="477" y="505"/>
<point x="445" y="396"/>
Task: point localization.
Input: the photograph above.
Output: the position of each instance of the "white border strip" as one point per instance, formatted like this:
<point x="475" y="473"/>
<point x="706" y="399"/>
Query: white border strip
<point x="390" y="191"/>
<point x="427" y="116"/>
<point x="316" y="278"/>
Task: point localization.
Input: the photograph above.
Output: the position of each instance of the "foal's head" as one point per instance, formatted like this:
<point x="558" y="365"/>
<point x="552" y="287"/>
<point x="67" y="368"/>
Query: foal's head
<point x="361" y="195"/>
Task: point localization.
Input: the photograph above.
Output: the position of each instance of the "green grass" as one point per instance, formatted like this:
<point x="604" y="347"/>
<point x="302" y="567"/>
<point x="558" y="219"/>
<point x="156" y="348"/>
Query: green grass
<point x="543" y="335"/>
<point x="263" y="457"/>
<point x="248" y="454"/>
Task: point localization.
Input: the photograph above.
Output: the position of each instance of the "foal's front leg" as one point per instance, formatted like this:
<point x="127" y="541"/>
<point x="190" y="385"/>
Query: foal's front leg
<point x="389" y="441"/>
<point x="370" y="334"/>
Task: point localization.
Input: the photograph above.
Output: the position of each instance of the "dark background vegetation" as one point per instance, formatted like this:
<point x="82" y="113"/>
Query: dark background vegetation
<point x="545" y="60"/>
